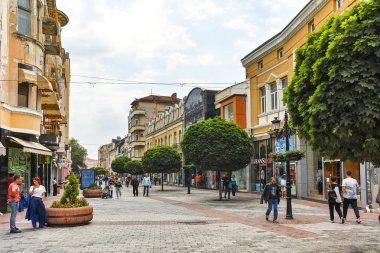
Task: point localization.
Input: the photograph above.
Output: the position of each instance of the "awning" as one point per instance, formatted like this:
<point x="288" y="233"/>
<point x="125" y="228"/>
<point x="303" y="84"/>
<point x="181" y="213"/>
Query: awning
<point x="27" y="76"/>
<point x="31" y="147"/>
<point x="43" y="84"/>
<point x="3" y="150"/>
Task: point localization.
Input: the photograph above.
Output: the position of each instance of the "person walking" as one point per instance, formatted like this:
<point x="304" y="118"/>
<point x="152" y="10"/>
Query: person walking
<point x="234" y="185"/>
<point x="135" y="185"/>
<point x="271" y="195"/>
<point x="378" y="200"/>
<point x="118" y="186"/>
<point x="55" y="187"/>
<point x="335" y="200"/>
<point x="36" y="211"/>
<point x="110" y="187"/>
<point x="227" y="186"/>
<point x="146" y="183"/>
<point x="14" y="200"/>
<point x="350" y="196"/>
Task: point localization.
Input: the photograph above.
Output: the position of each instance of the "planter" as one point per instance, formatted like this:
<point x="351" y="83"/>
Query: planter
<point x="92" y="193"/>
<point x="69" y="216"/>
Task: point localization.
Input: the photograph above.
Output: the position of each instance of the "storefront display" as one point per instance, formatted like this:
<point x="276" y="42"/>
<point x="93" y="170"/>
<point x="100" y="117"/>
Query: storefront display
<point x="19" y="163"/>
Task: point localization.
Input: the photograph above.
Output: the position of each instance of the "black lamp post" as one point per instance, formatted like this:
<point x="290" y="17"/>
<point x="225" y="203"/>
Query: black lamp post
<point x="286" y="132"/>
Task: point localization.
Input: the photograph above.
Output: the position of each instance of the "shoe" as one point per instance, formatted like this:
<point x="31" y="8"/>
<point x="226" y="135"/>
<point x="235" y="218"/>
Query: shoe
<point x="275" y="222"/>
<point x="15" y="231"/>
<point x="342" y="220"/>
<point x="358" y="221"/>
<point x="266" y="217"/>
<point x="331" y="221"/>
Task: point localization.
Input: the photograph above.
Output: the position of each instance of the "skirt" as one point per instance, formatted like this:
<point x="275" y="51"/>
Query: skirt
<point x="36" y="211"/>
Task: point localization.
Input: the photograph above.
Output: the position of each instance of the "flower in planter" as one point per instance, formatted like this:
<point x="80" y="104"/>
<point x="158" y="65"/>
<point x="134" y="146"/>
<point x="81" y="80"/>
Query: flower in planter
<point x="70" y="195"/>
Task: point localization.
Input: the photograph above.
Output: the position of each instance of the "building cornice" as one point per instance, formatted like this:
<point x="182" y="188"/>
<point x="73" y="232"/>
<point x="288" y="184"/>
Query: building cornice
<point x="302" y="18"/>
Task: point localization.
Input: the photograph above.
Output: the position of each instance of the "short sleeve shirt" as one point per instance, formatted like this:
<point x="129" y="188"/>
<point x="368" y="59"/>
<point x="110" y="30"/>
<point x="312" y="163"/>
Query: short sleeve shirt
<point x="351" y="188"/>
<point x="38" y="191"/>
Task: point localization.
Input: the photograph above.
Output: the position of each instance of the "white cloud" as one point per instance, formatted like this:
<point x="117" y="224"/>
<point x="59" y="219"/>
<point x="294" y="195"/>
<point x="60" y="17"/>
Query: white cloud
<point x="201" y="9"/>
<point x="236" y="23"/>
<point x="176" y="59"/>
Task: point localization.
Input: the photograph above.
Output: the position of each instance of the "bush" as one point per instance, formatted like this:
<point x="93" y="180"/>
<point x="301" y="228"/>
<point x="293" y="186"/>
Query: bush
<point x="94" y="186"/>
<point x="70" y="195"/>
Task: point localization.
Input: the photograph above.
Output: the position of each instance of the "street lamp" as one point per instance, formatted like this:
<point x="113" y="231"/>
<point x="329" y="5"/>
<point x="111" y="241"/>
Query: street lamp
<point x="286" y="132"/>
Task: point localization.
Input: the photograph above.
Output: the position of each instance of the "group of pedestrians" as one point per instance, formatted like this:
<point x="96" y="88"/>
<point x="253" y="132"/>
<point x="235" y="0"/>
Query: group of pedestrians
<point x="230" y="186"/>
<point x="36" y="212"/>
<point x="345" y="194"/>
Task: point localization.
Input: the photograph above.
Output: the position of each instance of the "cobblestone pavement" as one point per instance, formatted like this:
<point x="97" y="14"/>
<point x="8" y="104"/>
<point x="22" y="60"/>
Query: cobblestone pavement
<point x="173" y="221"/>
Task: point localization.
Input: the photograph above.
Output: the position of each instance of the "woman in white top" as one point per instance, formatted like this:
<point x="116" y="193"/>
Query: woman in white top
<point x="36" y="210"/>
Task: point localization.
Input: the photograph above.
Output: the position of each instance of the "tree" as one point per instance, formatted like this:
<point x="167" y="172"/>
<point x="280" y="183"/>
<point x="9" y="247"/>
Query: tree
<point x="78" y="155"/>
<point x="119" y="164"/>
<point x="134" y="168"/>
<point x="162" y="159"/>
<point x="100" y="171"/>
<point x="334" y="97"/>
<point x="218" y="145"/>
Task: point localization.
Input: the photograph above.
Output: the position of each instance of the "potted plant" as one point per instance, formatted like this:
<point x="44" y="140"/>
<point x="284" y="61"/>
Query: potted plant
<point x="70" y="210"/>
<point x="295" y="155"/>
<point x="92" y="191"/>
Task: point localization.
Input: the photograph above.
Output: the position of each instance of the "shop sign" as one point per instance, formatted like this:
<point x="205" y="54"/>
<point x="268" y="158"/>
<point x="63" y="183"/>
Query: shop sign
<point x="18" y="161"/>
<point x="87" y="178"/>
<point x="280" y="144"/>
<point x="262" y="161"/>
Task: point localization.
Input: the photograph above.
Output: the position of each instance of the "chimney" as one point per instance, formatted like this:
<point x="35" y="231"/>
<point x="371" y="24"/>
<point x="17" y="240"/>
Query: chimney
<point x="174" y="96"/>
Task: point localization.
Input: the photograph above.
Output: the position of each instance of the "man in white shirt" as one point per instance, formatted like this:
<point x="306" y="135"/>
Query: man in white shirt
<point x="146" y="183"/>
<point x="350" y="194"/>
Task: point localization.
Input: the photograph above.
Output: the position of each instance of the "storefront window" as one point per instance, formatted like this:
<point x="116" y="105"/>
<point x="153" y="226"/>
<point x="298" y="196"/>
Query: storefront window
<point x="19" y="163"/>
<point x="314" y="174"/>
<point x="263" y="165"/>
<point x="241" y="178"/>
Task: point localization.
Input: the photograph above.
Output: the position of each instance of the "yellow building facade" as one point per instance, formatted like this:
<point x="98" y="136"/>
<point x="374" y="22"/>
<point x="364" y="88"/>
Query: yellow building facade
<point x="269" y="69"/>
<point x="34" y="92"/>
<point x="167" y="129"/>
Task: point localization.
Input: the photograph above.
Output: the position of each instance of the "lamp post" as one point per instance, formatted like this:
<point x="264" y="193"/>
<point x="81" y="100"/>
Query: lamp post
<point x="286" y="132"/>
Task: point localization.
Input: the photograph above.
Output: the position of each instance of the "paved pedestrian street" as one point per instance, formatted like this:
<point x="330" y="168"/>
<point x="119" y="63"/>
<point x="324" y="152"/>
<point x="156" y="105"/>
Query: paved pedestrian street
<point x="173" y="221"/>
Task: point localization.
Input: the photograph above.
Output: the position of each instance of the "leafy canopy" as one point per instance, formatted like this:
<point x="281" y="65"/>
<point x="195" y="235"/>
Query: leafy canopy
<point x="78" y="155"/>
<point x="216" y="144"/>
<point x="334" y="97"/>
<point x="119" y="164"/>
<point x="162" y="159"/>
<point x="134" y="168"/>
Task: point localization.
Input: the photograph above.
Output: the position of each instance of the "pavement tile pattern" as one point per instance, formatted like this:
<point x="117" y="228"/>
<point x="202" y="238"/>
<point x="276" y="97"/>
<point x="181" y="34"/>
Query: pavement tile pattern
<point x="173" y="221"/>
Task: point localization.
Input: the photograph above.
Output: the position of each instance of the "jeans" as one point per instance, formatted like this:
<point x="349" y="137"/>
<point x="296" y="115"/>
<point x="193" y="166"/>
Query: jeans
<point x="272" y="203"/>
<point x="146" y="189"/>
<point x="135" y="191"/>
<point x="228" y="191"/>
<point x="354" y="205"/>
<point x="118" y="192"/>
<point x="14" y="206"/>
<point x="337" y="208"/>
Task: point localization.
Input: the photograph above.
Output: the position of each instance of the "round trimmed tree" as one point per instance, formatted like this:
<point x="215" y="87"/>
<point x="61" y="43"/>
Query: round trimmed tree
<point x="134" y="168"/>
<point x="334" y="97"/>
<point x="218" y="145"/>
<point x="119" y="164"/>
<point x="162" y="159"/>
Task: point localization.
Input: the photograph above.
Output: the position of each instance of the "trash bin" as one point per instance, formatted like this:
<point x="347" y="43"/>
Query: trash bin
<point x="258" y="187"/>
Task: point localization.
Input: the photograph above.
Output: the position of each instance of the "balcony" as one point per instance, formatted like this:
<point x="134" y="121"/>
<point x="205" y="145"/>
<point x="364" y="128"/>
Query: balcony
<point x="52" y="48"/>
<point x="49" y="27"/>
<point x="136" y="112"/>
<point x="138" y="143"/>
<point x="135" y="128"/>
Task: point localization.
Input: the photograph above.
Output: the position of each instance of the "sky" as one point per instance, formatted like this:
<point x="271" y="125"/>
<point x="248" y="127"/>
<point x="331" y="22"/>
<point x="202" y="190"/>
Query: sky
<point x="164" y="41"/>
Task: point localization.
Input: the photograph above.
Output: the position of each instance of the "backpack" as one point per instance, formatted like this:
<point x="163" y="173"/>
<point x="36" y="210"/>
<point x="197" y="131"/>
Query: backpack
<point x="332" y="194"/>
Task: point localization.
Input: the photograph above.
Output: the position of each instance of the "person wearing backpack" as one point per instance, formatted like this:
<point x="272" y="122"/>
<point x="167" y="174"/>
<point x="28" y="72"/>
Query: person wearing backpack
<point x="335" y="199"/>
<point x="378" y="200"/>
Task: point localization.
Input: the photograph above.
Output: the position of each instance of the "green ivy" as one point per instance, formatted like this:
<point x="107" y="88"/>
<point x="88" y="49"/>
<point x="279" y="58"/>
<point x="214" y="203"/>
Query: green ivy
<point x="334" y="97"/>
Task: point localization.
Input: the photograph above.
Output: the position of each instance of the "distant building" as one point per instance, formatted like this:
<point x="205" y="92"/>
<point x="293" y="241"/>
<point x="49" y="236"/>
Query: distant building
<point x="142" y="112"/>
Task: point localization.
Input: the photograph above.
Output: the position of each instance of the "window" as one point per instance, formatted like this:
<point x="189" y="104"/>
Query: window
<point x="284" y="83"/>
<point x="339" y="3"/>
<point x="260" y="65"/>
<point x="273" y="95"/>
<point x="136" y="151"/>
<point x="179" y="135"/>
<point x="23" y="94"/>
<point x="228" y="112"/>
<point x="263" y="99"/>
<point x="38" y="20"/>
<point x="175" y="138"/>
<point x="311" y="26"/>
<point x="280" y="53"/>
<point x="24" y="19"/>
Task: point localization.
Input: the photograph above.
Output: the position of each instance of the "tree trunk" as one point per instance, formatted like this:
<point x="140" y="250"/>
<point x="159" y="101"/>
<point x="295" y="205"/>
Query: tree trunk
<point x="162" y="181"/>
<point x="220" y="185"/>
